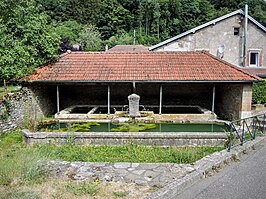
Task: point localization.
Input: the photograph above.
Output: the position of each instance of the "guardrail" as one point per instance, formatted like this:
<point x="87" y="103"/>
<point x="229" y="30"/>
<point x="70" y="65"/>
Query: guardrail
<point x="246" y="129"/>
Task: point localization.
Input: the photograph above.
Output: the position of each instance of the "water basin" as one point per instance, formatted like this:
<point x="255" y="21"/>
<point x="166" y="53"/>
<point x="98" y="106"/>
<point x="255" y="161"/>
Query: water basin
<point x="158" y="127"/>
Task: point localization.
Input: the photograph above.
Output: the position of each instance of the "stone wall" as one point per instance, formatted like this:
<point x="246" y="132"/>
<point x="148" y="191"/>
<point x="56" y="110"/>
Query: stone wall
<point x="18" y="109"/>
<point x="246" y="101"/>
<point x="45" y="96"/>
<point x="124" y="138"/>
<point x="233" y="101"/>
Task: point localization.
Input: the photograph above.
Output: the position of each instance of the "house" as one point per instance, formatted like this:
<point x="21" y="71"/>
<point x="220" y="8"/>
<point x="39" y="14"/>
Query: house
<point x="129" y="48"/>
<point x="161" y="79"/>
<point x="224" y="37"/>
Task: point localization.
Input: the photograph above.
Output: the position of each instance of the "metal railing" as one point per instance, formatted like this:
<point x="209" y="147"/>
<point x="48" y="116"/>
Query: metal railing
<point x="246" y="129"/>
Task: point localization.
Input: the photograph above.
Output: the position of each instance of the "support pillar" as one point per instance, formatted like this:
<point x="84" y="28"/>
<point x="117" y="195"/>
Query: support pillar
<point x="213" y="98"/>
<point x="134" y="87"/>
<point x="57" y="99"/>
<point x="161" y="99"/>
<point x="108" y="100"/>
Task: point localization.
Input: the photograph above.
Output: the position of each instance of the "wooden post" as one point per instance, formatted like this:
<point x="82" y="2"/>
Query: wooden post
<point x="5" y="86"/>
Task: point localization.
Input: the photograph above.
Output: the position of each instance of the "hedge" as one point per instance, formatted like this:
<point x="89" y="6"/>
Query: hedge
<point x="259" y="92"/>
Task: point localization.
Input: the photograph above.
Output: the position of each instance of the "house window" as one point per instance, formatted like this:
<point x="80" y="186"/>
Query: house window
<point x="236" y="30"/>
<point x="254" y="58"/>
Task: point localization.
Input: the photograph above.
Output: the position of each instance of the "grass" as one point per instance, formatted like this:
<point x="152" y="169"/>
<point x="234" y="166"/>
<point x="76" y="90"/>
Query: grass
<point x="21" y="176"/>
<point x="10" y="89"/>
<point x="84" y="188"/>
<point x="126" y="153"/>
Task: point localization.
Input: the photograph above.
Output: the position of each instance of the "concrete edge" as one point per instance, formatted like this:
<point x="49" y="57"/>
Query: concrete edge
<point x="202" y="170"/>
<point x="144" y="135"/>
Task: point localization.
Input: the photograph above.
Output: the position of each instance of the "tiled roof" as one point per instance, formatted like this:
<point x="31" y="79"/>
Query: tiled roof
<point x="129" y="48"/>
<point x="261" y="72"/>
<point x="151" y="66"/>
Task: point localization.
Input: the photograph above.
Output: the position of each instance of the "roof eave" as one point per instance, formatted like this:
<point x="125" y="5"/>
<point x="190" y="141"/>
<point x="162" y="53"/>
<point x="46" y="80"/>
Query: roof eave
<point x="142" y="81"/>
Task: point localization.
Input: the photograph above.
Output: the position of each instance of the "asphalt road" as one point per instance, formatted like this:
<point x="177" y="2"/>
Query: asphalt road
<point x="245" y="179"/>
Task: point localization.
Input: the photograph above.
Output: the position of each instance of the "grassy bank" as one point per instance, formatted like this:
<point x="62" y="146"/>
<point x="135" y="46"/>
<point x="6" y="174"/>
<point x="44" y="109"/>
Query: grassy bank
<point x="9" y="89"/>
<point x="19" y="170"/>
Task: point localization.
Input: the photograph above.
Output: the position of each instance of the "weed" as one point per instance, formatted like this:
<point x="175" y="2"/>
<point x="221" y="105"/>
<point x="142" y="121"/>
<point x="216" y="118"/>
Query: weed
<point x="120" y="194"/>
<point x="71" y="127"/>
<point x="5" y="110"/>
<point x="84" y="188"/>
<point x="18" y="164"/>
<point x="133" y="127"/>
<point x="15" y="194"/>
<point x="235" y="158"/>
<point x="35" y="174"/>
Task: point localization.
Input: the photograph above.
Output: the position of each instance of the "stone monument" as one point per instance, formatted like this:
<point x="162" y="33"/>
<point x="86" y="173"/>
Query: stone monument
<point x="133" y="100"/>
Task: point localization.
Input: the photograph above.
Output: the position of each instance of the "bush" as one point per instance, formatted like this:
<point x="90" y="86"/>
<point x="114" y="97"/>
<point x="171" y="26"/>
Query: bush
<point x="259" y="92"/>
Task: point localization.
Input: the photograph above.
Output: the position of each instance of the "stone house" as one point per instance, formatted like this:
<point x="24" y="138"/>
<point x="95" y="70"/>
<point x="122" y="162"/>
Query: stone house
<point x="129" y="48"/>
<point x="161" y="79"/>
<point x="224" y="37"/>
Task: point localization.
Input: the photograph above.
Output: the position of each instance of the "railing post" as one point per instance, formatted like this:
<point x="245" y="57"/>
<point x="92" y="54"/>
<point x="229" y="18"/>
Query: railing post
<point x="230" y="138"/>
<point x="253" y="128"/>
<point x="263" y="121"/>
<point x="243" y="133"/>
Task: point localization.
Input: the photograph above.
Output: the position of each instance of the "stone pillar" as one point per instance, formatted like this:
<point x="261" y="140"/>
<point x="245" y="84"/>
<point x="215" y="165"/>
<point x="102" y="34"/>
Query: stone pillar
<point x="133" y="105"/>
<point x="246" y="101"/>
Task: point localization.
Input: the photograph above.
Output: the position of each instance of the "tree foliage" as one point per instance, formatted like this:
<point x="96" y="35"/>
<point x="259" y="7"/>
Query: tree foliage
<point x="90" y="38"/>
<point x="27" y="39"/>
<point x="259" y="92"/>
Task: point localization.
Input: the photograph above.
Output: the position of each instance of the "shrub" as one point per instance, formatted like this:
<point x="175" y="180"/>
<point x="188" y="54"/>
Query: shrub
<point x="259" y="92"/>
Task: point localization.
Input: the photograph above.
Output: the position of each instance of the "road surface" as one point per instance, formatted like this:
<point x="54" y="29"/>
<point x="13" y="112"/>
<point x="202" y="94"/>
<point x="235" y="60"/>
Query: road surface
<point x="245" y="179"/>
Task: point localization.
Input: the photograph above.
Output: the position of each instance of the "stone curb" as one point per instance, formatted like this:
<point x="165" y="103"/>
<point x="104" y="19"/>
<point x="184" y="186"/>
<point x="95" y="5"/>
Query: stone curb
<point x="204" y="167"/>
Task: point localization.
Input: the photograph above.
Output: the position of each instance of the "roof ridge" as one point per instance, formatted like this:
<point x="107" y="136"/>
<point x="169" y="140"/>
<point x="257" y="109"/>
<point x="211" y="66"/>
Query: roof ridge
<point x="148" y="52"/>
<point x="229" y="64"/>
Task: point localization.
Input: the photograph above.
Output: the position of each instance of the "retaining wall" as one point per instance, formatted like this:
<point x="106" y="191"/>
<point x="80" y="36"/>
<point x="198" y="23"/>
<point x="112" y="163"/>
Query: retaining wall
<point x="17" y="109"/>
<point x="122" y="138"/>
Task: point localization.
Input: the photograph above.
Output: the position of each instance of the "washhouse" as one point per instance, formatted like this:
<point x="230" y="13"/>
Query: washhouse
<point x="175" y="86"/>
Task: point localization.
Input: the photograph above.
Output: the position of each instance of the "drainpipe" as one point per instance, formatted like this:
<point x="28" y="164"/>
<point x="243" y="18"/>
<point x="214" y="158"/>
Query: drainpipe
<point x="213" y="97"/>
<point x="245" y="35"/>
<point x="161" y="99"/>
<point x="57" y="98"/>
<point x="108" y="100"/>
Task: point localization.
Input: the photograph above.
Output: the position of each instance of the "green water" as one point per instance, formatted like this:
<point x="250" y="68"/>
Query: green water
<point x="107" y="127"/>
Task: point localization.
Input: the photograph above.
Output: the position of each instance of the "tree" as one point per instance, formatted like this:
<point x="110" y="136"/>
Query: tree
<point x="27" y="39"/>
<point x="81" y="11"/>
<point x="122" y="38"/>
<point x="70" y="30"/>
<point x="113" y="18"/>
<point x="90" y="38"/>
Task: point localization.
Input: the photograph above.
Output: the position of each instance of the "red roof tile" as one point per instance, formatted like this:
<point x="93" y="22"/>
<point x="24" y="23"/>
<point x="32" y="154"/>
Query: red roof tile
<point x="261" y="72"/>
<point x="150" y="66"/>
